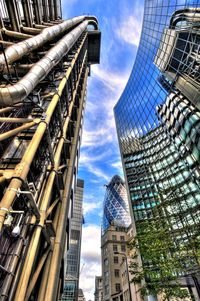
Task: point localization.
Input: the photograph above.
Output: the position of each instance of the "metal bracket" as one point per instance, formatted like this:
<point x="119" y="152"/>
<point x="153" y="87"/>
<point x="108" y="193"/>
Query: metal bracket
<point x="30" y="197"/>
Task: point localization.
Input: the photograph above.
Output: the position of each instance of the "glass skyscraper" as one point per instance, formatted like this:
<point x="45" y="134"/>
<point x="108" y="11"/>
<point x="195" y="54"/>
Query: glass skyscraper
<point x="116" y="208"/>
<point x="157" y="119"/>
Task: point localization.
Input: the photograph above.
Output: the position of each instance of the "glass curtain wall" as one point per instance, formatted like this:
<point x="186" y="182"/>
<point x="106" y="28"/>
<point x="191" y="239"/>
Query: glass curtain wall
<point x="158" y="120"/>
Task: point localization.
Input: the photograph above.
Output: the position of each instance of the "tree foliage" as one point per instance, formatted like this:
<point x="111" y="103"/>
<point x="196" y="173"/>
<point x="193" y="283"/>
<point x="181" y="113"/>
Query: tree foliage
<point x="162" y="261"/>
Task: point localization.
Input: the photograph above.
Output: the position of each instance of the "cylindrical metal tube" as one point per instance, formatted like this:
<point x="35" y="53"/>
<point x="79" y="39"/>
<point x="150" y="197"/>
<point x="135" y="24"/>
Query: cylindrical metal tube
<point x="51" y="10"/>
<point x="17" y="130"/>
<point x="55" y="9"/>
<point x="58" y="245"/>
<point x="19" y="91"/>
<point x="14" y="34"/>
<point x="18" y="50"/>
<point x="37" y="12"/>
<point x="13" y="14"/>
<point x="27" y="13"/>
<point x="45" y="4"/>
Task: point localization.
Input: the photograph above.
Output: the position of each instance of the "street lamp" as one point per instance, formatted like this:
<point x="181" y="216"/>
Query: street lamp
<point x="129" y="287"/>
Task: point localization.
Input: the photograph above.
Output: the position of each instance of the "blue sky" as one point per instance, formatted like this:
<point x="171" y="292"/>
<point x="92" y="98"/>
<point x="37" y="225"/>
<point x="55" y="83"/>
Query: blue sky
<point x="120" y="23"/>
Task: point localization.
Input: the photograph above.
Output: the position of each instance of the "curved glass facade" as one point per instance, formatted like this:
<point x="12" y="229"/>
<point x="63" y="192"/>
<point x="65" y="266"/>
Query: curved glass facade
<point x="116" y="208"/>
<point x="158" y="121"/>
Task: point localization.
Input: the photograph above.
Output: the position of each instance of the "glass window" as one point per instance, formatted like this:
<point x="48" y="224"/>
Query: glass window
<point x="116" y="259"/>
<point x="114" y="237"/>
<point x="116" y="273"/>
<point x="117" y="287"/>
<point x="115" y="248"/>
<point x="123" y="248"/>
<point x="122" y="238"/>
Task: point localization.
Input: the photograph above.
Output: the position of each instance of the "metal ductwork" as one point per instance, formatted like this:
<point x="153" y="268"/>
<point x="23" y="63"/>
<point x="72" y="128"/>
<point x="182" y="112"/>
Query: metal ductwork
<point x="19" y="91"/>
<point x="15" y="52"/>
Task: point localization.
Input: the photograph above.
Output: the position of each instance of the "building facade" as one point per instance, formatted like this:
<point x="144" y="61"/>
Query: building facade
<point x="98" y="294"/>
<point x="116" y="234"/>
<point x="115" y="253"/>
<point x="115" y="207"/>
<point x="44" y="62"/>
<point x="157" y="119"/>
<point x="71" y="284"/>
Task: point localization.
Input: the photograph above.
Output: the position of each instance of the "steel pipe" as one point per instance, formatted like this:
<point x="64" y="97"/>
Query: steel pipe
<point x="51" y="10"/>
<point x="15" y="120"/>
<point x="18" y="50"/>
<point x="58" y="249"/>
<point x="45" y="5"/>
<point x="13" y="14"/>
<point x="13" y="34"/>
<point x="6" y="43"/>
<point x="32" y="31"/>
<point x="55" y="10"/>
<point x="21" y="290"/>
<point x="17" y="130"/>
<point x="18" y="92"/>
<point x="27" y="13"/>
<point x="22" y="169"/>
<point x="37" y="12"/>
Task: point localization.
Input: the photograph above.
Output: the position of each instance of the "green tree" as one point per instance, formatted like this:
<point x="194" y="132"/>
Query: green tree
<point x="162" y="261"/>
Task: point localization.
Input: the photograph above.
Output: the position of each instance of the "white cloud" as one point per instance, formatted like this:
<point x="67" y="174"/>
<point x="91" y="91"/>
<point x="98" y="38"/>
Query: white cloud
<point x="117" y="165"/>
<point x="98" y="172"/>
<point x="112" y="80"/>
<point x="89" y="207"/>
<point x="129" y="30"/>
<point x="91" y="258"/>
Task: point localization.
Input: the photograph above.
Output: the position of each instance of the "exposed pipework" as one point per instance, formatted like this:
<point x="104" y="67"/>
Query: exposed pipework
<point x="51" y="10"/>
<point x="18" y="50"/>
<point x="37" y="11"/>
<point x="13" y="14"/>
<point x="27" y="13"/>
<point x="18" y="92"/>
<point x="55" y="10"/>
<point x="45" y="5"/>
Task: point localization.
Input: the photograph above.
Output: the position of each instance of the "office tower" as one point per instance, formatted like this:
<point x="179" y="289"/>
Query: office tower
<point x="71" y="284"/>
<point x="157" y="119"/>
<point x="98" y="294"/>
<point x="45" y="62"/>
<point x="115" y="236"/>
<point x="115" y="207"/>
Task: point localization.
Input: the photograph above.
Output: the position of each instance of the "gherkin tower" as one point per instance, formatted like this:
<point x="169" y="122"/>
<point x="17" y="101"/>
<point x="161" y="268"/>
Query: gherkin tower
<point x="116" y="208"/>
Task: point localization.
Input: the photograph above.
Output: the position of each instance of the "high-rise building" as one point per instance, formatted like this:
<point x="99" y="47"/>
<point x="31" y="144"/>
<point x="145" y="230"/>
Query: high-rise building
<point x="116" y="207"/>
<point x="71" y="284"/>
<point x="44" y="62"/>
<point x="98" y="294"/>
<point x="116" y="233"/>
<point x="157" y="120"/>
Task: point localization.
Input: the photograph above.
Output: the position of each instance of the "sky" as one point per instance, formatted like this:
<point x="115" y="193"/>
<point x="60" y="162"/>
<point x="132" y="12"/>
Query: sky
<point x="120" y="23"/>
